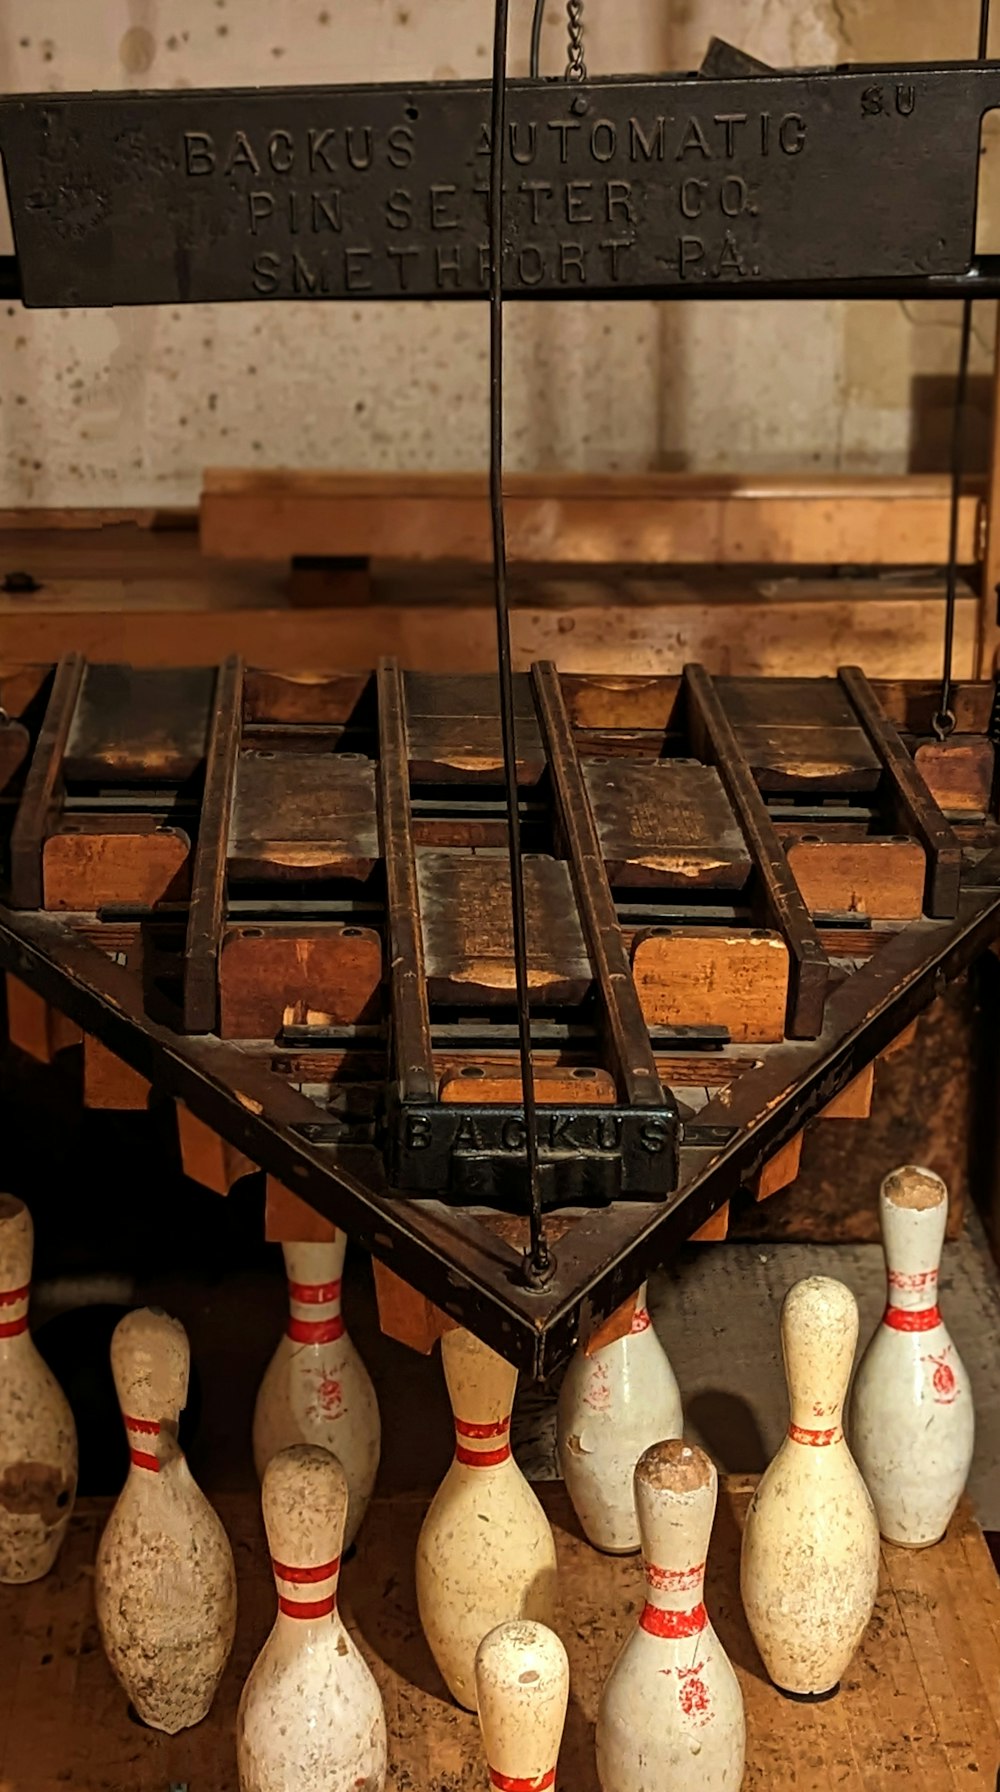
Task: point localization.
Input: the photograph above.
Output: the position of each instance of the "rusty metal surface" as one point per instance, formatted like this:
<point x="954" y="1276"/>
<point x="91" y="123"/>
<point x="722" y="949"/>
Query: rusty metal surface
<point x="688" y="185"/>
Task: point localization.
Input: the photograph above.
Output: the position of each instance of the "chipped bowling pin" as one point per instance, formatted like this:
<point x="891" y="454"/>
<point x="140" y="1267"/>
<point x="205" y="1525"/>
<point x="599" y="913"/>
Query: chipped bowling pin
<point x="671" y="1715"/>
<point x="522" y="1689"/>
<point x="316" y="1389"/>
<point x="311" y="1716"/>
<point x="612" y="1406"/>
<point x="911" y="1419"/>
<point x="809" y="1562"/>
<point x="486" y="1552"/>
<point x="37" y="1433"/>
<point x="164" y="1583"/>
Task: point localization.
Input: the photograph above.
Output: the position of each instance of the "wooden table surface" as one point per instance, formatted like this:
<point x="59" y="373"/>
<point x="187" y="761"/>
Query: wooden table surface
<point x="920" y="1705"/>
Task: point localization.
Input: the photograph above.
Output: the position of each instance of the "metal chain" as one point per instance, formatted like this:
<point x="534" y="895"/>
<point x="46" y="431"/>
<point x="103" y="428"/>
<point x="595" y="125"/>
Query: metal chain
<point x="576" y="68"/>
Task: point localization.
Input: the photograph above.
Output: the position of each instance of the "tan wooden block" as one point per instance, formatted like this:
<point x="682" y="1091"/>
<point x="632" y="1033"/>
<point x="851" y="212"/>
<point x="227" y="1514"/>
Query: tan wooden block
<point x="715" y="1229"/>
<point x="854" y="1102"/>
<point x="206" y="1157"/>
<point x="581" y="1086"/>
<point x="699" y="976"/>
<point x="881" y="878"/>
<point x="901" y="1041"/>
<point x="617" y="1325"/>
<point x="331" y="971"/>
<point x="290" y="1220"/>
<point x="34" y="1026"/>
<point x="84" y="868"/>
<point x="405" y="1315"/>
<point x="779" y="1170"/>
<point x="108" y="1082"/>
<point x="958" y="772"/>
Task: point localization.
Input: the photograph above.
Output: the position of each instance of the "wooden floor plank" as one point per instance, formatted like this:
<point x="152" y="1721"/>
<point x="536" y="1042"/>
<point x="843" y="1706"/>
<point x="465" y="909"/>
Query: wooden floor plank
<point x="918" y="1703"/>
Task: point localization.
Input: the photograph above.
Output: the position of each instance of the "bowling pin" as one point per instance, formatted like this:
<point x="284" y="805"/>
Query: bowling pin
<point x="316" y="1389"/>
<point x="671" y="1715"/>
<point x="911" y="1417"/>
<point x="809" y="1563"/>
<point x="486" y="1552"/>
<point x="37" y="1433"/>
<point x="165" y="1585"/>
<point x="311" y="1717"/>
<point x="612" y="1406"/>
<point x="522" y="1688"/>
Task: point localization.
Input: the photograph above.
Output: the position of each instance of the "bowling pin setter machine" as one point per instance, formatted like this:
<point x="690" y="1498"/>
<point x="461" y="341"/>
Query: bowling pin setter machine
<point x="520" y="992"/>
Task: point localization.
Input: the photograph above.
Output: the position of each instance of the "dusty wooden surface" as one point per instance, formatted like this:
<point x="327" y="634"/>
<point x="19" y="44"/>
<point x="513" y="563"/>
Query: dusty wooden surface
<point x="920" y="1704"/>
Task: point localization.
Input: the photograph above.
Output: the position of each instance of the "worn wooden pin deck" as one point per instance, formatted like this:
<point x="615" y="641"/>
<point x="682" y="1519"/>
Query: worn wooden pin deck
<point x="919" y="1706"/>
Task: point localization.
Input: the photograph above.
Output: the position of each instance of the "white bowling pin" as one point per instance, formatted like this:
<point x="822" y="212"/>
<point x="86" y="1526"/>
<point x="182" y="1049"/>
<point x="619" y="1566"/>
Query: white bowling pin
<point x="912" y="1424"/>
<point x="316" y="1389"/>
<point x="671" y="1715"/>
<point x="311" y="1716"/>
<point x="612" y="1406"/>
<point x="37" y="1433"/>
<point x="165" y="1584"/>
<point x="522" y="1688"/>
<point x="809" y="1563"/>
<point x="486" y="1552"/>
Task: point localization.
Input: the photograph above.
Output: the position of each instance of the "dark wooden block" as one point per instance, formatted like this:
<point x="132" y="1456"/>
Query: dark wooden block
<point x="139" y="725"/>
<point x="453" y="725"/>
<point x="303" y="816"/>
<point x="799" y="734"/>
<point x="666" y="822"/>
<point x="468" y="931"/>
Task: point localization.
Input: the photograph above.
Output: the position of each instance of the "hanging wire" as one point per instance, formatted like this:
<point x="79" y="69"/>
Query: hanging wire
<point x="537" y="21"/>
<point x="944" y="720"/>
<point x="538" y="1262"/>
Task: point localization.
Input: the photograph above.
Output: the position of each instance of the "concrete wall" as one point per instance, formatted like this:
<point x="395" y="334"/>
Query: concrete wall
<point x="129" y="407"/>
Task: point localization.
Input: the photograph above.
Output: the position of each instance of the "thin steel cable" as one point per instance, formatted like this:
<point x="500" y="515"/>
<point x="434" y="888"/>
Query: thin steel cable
<point x="537" y="21"/>
<point x="944" y="721"/>
<point x="538" y="1261"/>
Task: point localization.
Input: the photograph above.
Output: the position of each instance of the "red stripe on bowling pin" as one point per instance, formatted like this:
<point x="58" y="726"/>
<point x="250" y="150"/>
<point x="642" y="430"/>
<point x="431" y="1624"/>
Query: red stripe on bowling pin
<point x="641" y="1321"/>
<point x="921" y="1278"/>
<point x="314" y="1331"/>
<point x="306" y="1577"/>
<point x="482" y="1458"/>
<point x="674" y="1580"/>
<point x="504" y="1783"/>
<point x="307" y="1608"/>
<point x="671" y="1624"/>
<point x="9" y="1297"/>
<point x="314" y="1294"/>
<point x="145" y="1428"/>
<point x="899" y="1319"/>
<point x="817" y="1440"/>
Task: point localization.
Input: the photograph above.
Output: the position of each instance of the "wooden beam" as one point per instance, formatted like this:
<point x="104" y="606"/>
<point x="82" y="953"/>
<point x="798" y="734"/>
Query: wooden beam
<point x="584" y="519"/>
<point x="988" y="643"/>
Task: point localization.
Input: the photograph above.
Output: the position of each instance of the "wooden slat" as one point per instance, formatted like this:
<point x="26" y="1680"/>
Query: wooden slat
<point x="656" y="518"/>
<point x="206" y="1157"/>
<point x="621" y="1015"/>
<point x="34" y="1026"/>
<point x="110" y="1083"/>
<point x="714" y="739"/>
<point x="410" y="1012"/>
<point x="917" y="812"/>
<point x="290" y="1220"/>
<point x="208" y="880"/>
<point x="43" y="781"/>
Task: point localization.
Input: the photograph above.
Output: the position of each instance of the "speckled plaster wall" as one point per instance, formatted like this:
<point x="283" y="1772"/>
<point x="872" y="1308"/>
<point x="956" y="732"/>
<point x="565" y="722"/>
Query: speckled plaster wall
<point x="128" y="408"/>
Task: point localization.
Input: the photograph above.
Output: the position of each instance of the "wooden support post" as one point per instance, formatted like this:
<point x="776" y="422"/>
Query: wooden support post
<point x="988" y="639"/>
<point x="208" y="880"/>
